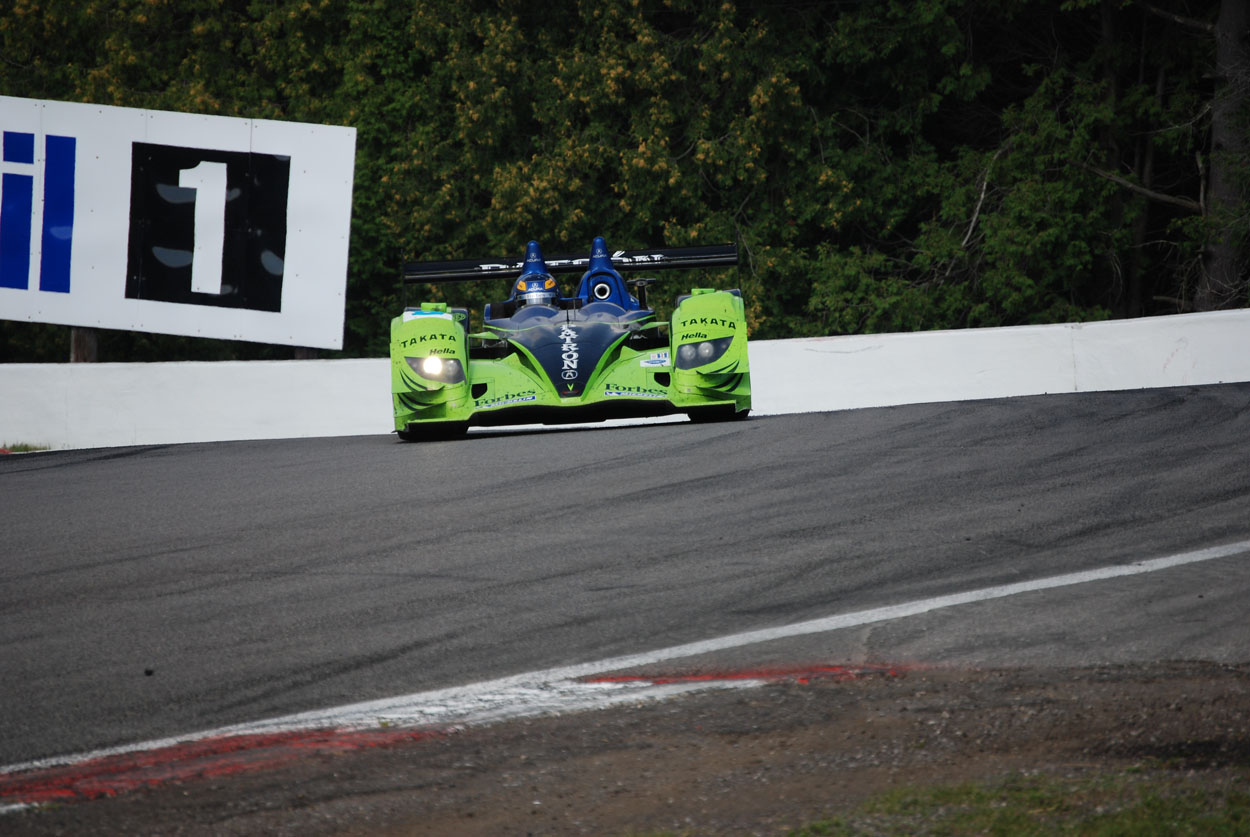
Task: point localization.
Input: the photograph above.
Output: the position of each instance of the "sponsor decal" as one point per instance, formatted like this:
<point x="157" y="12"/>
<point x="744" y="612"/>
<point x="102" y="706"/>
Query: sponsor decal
<point x="641" y="258"/>
<point x="431" y="337"/>
<point x="504" y="400"/>
<point x="694" y="335"/>
<point x="713" y="321"/>
<point x="656" y="359"/>
<point x="568" y="353"/>
<point x="613" y="391"/>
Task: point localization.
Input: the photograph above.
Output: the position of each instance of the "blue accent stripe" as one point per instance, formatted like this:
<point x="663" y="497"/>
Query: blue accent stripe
<point x="15" y="207"/>
<point x="58" y="214"/>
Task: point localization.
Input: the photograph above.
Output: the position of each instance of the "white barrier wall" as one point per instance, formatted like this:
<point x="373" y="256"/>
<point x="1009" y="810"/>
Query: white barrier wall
<point x="83" y="405"/>
<point x="106" y="404"/>
<point x="877" y="370"/>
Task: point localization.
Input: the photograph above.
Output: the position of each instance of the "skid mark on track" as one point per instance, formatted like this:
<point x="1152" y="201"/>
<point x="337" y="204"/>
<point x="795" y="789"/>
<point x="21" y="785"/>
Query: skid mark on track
<point x="796" y="674"/>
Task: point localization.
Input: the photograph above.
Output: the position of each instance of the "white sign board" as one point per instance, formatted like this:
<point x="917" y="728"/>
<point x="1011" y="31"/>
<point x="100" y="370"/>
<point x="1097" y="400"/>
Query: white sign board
<point x="174" y="223"/>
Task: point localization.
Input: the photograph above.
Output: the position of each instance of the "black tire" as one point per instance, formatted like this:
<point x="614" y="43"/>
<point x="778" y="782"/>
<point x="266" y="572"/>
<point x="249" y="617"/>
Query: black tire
<point x="721" y="412"/>
<point x="433" y="432"/>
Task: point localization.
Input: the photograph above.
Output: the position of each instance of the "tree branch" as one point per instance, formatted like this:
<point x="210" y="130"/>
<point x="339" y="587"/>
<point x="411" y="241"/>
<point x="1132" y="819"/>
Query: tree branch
<point x="1160" y="197"/>
<point x="1192" y="23"/>
<point x="985" y="182"/>
<point x="1202" y="181"/>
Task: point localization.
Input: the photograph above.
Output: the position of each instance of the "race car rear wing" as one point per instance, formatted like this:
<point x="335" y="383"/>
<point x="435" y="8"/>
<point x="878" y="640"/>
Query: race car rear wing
<point x="662" y="258"/>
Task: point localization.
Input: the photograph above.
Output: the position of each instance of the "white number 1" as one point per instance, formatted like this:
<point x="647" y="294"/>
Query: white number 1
<point x="209" y="182"/>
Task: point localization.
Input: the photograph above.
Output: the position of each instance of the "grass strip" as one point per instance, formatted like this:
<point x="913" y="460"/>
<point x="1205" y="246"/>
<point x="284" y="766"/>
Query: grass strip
<point x="1134" y="801"/>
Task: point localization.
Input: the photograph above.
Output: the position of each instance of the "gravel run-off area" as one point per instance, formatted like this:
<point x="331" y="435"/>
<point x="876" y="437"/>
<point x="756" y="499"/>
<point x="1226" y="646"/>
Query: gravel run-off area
<point x="764" y="760"/>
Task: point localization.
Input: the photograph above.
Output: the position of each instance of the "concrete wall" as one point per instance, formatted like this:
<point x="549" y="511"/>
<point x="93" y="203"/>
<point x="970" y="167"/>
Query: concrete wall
<point x="106" y="404"/>
<point x="882" y="369"/>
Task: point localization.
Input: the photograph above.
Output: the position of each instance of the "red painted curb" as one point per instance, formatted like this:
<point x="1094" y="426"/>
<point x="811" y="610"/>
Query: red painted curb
<point x="226" y="756"/>
<point x="229" y="755"/>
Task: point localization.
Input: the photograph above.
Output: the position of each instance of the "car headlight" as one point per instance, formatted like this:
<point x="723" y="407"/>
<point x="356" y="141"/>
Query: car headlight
<point x="449" y="370"/>
<point x="692" y="355"/>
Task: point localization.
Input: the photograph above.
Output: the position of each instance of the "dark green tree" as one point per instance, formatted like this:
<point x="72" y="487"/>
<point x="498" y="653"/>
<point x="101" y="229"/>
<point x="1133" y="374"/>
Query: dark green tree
<point x="883" y="166"/>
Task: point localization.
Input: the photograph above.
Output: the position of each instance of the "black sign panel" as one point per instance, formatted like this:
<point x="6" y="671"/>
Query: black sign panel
<point x="207" y="227"/>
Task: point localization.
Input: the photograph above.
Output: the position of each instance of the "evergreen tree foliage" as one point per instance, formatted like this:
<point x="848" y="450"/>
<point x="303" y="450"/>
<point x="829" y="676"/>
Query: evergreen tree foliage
<point x="884" y="166"/>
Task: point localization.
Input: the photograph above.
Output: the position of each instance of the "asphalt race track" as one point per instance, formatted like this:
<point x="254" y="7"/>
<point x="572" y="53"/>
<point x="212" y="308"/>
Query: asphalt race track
<point x="152" y="591"/>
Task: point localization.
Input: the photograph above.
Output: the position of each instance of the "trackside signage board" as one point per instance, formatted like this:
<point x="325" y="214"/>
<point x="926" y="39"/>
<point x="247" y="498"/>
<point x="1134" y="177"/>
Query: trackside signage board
<point x="174" y="223"/>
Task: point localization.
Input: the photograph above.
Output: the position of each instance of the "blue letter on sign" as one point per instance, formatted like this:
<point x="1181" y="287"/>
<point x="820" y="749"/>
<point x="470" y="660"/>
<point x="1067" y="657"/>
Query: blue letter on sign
<point x="58" y="214"/>
<point x="17" y="205"/>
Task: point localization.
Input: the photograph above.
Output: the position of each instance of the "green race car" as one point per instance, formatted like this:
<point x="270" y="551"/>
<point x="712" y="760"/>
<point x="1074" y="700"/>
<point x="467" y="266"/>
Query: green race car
<point x="543" y="358"/>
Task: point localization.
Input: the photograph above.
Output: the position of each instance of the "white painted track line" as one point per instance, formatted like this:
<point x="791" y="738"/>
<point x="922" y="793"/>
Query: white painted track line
<point x="558" y="690"/>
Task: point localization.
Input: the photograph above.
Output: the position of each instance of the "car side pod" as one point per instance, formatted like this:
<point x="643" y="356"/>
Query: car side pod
<point x="430" y="371"/>
<point x="711" y="371"/>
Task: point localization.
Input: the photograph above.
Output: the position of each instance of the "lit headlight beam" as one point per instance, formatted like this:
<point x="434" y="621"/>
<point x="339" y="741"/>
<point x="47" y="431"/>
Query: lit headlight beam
<point x="448" y="370"/>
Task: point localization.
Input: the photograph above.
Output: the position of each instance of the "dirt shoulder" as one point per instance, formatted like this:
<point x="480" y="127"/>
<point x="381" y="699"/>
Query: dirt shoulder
<point x="757" y="761"/>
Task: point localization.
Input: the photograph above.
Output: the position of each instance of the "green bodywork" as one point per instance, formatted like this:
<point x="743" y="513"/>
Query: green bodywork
<point x="637" y="367"/>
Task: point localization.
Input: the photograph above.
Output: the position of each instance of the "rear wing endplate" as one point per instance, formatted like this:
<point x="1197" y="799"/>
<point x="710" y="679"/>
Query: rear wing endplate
<point x="662" y="258"/>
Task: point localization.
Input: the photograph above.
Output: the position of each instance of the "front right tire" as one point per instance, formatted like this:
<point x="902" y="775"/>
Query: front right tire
<point x="433" y="432"/>
<point x="718" y="412"/>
